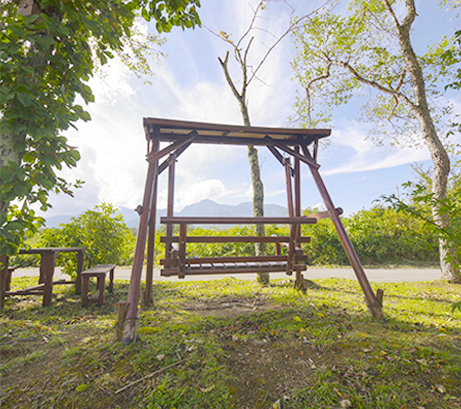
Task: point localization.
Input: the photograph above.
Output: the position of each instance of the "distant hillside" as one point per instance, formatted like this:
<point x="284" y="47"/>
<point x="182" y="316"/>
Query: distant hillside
<point x="205" y="207"/>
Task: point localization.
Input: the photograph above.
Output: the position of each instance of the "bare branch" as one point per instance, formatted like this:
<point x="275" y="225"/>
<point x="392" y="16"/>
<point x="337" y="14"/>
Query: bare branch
<point x="228" y="78"/>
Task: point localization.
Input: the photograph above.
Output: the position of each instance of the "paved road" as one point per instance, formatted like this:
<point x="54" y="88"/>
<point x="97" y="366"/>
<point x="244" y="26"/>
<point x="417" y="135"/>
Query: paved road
<point x="373" y="274"/>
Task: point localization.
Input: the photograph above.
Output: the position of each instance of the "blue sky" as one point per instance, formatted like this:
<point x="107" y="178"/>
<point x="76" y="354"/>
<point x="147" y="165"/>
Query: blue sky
<point x="189" y="84"/>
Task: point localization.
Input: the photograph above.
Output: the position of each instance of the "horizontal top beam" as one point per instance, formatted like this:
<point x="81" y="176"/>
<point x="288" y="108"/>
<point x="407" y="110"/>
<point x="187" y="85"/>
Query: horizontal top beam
<point x="238" y="220"/>
<point x="167" y="130"/>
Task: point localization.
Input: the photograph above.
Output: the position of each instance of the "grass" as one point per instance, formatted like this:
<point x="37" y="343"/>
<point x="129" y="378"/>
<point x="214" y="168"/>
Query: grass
<point x="232" y="343"/>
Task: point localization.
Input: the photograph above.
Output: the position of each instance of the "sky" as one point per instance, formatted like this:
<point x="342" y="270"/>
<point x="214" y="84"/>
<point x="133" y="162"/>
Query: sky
<point x="189" y="85"/>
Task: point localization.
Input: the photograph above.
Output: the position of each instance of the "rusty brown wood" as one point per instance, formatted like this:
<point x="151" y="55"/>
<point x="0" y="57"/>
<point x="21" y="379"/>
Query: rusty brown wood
<point x="238" y="220"/>
<point x="155" y="156"/>
<point x="29" y="290"/>
<point x="78" y="278"/>
<point x="276" y="153"/>
<point x="47" y="263"/>
<point x="236" y="270"/>
<point x="291" y="213"/>
<point x="182" y="250"/>
<point x="170" y="201"/>
<point x="170" y="126"/>
<point x="297" y="207"/>
<point x="129" y="326"/>
<point x="151" y="236"/>
<point x="371" y="300"/>
<point x="232" y="239"/>
<point x="178" y="152"/>
<point x="236" y="259"/>
<point x="308" y="160"/>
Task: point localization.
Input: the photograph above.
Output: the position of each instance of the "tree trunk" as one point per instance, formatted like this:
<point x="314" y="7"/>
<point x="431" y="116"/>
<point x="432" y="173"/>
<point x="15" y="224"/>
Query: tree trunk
<point x="258" y="192"/>
<point x="438" y="152"/>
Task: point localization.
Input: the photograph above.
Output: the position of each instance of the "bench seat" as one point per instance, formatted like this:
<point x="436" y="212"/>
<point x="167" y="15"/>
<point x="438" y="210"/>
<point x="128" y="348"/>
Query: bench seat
<point x="99" y="271"/>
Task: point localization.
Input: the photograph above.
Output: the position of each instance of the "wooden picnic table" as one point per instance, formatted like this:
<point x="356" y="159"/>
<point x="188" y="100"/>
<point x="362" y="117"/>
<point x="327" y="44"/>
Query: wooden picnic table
<point x="47" y="266"/>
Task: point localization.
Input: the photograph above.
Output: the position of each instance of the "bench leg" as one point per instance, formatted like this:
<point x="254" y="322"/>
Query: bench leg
<point x="101" y="288"/>
<point x="111" y="281"/>
<point x="86" y="285"/>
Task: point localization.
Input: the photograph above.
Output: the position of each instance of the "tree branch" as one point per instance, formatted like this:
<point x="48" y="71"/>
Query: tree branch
<point x="228" y="78"/>
<point x="374" y="84"/>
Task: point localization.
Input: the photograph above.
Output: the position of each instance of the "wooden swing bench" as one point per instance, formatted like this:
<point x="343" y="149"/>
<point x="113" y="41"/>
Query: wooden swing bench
<point x="176" y="262"/>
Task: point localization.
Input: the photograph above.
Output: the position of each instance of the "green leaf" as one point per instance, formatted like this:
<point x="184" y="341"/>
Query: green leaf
<point x="24" y="99"/>
<point x="20" y="190"/>
<point x="82" y="387"/>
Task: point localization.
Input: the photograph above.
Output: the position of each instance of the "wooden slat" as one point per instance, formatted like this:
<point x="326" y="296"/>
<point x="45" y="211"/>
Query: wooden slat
<point x="238" y="220"/>
<point x="243" y="259"/>
<point x="237" y="270"/>
<point x="233" y="239"/>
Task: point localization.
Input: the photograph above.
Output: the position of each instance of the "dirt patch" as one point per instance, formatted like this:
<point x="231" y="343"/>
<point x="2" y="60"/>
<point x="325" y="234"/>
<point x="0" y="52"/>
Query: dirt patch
<point x="230" y="307"/>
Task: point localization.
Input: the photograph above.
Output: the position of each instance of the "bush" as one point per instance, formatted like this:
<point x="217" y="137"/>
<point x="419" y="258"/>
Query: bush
<point x="102" y="231"/>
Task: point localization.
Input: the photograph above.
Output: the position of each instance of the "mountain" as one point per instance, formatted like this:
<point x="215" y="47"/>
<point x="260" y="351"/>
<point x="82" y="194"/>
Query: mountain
<point x="205" y="207"/>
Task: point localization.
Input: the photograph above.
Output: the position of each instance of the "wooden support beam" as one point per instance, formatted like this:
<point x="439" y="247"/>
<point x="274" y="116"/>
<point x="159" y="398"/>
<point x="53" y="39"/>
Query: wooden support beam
<point x="129" y="325"/>
<point x="370" y="298"/>
<point x="276" y="153"/>
<point x="308" y="160"/>
<point x="182" y="250"/>
<point x="155" y="156"/>
<point x="167" y="161"/>
<point x="151" y="236"/>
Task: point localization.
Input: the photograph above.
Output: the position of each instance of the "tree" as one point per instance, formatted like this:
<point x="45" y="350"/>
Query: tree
<point x="371" y="48"/>
<point x="240" y="50"/>
<point x="47" y="57"/>
<point x="102" y="231"/>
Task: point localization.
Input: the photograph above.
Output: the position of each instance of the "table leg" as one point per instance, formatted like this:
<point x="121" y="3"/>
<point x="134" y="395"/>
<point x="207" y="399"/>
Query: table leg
<point x="78" y="279"/>
<point x="47" y="270"/>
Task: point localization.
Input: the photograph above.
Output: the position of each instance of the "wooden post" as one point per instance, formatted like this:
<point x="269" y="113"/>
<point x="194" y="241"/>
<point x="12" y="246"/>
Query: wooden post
<point x="78" y="278"/>
<point x="170" y="203"/>
<point x="293" y="228"/>
<point x="370" y="298"/>
<point x="299" y="282"/>
<point x="47" y="270"/>
<point x="151" y="237"/>
<point x="122" y="307"/>
<point x="129" y="325"/>
<point x="182" y="250"/>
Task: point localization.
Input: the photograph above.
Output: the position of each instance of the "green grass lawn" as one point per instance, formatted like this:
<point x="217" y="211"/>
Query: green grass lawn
<point x="232" y="343"/>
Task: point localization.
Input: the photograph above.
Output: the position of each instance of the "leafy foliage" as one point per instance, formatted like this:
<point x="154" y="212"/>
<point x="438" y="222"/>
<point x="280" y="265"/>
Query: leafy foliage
<point x="46" y="61"/>
<point x="381" y="236"/>
<point x="418" y="206"/>
<point x="102" y="231"/>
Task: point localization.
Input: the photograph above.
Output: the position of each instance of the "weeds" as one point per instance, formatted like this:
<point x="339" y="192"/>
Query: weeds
<point x="233" y="343"/>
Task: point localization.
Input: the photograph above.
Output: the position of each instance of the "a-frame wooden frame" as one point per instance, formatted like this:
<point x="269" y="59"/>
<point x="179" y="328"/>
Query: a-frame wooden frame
<point x="299" y="144"/>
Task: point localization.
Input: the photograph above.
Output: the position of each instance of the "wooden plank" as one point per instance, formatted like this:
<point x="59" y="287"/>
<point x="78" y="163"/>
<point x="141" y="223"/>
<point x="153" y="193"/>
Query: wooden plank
<point x="174" y="127"/>
<point x="167" y="272"/>
<point x="238" y="220"/>
<point x="233" y="239"/>
<point x="182" y="250"/>
<point x="99" y="269"/>
<point x="243" y="259"/>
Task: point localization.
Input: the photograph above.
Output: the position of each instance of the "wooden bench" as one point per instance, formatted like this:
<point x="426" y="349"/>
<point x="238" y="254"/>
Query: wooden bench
<point x="99" y="271"/>
<point x="177" y="263"/>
